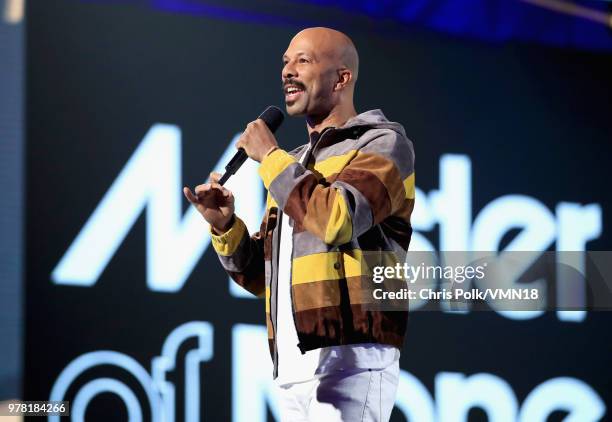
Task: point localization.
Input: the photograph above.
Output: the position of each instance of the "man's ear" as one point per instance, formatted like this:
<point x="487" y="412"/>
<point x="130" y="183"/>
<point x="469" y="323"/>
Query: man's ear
<point x="345" y="76"/>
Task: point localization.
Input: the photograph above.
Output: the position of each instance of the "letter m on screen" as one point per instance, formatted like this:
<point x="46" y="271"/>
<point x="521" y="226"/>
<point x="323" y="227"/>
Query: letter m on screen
<point x="151" y="181"/>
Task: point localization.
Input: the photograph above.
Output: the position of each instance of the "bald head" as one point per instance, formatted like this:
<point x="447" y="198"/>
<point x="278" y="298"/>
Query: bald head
<point x="320" y="71"/>
<point x="335" y="45"/>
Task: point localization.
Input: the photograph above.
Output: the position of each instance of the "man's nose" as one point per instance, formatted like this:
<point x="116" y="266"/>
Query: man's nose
<point x="289" y="71"/>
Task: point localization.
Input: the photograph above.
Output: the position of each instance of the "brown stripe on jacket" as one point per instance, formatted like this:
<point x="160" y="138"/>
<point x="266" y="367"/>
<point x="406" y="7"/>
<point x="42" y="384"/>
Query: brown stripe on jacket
<point x="322" y="327"/>
<point x="310" y="204"/>
<point x="370" y="173"/>
<point x="317" y="294"/>
<point x="372" y="188"/>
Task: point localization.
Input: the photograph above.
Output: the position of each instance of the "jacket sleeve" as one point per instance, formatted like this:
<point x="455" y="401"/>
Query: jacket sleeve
<point x="242" y="255"/>
<point x="375" y="183"/>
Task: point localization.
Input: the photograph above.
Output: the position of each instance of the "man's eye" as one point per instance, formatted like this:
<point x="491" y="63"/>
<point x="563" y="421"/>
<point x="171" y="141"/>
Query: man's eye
<point x="303" y="60"/>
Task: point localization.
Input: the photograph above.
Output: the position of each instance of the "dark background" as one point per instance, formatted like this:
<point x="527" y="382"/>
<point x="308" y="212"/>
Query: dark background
<point x="534" y="120"/>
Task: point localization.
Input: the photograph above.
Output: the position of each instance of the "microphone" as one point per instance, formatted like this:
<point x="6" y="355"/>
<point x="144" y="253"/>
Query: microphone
<point x="273" y="118"/>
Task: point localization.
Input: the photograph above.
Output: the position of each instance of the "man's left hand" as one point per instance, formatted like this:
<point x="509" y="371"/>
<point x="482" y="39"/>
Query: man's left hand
<point x="257" y="140"/>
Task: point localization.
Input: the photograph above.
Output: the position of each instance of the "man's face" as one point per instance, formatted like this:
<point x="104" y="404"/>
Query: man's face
<point x="308" y="77"/>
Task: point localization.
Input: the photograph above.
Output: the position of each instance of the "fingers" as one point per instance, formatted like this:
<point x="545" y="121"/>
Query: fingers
<point x="217" y="186"/>
<point x="214" y="177"/>
<point x="209" y="195"/>
<point x="243" y="141"/>
<point x="202" y="189"/>
<point x="189" y="195"/>
<point x="257" y="123"/>
<point x="209" y="190"/>
<point x="240" y="143"/>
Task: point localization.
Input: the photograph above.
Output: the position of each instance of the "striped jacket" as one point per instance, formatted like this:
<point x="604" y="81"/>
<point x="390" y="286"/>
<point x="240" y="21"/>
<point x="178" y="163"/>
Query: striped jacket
<point x="352" y="198"/>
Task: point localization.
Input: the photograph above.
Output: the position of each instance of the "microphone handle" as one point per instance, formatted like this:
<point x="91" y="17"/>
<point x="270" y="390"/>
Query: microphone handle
<point x="234" y="164"/>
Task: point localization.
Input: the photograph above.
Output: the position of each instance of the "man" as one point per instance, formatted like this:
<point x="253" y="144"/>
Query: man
<point x="348" y="193"/>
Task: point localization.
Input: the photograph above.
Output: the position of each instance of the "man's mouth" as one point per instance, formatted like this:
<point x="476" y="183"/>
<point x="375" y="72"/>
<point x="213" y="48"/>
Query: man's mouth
<point x="292" y="92"/>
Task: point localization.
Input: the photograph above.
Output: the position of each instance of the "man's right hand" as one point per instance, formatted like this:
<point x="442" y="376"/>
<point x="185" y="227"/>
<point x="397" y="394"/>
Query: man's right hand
<point x="214" y="202"/>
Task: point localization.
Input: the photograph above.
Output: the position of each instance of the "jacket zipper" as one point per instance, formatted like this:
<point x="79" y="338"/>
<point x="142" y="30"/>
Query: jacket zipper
<point x="273" y="320"/>
<point x="310" y="153"/>
<point x="299" y="345"/>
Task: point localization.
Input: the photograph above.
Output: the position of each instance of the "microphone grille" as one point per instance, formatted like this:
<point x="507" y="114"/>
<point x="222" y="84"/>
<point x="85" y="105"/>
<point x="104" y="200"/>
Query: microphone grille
<point x="273" y="117"/>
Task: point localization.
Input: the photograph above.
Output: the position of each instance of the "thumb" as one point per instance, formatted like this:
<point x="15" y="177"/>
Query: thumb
<point x="214" y="177"/>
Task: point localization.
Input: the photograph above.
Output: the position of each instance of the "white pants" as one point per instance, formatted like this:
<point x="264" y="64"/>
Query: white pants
<point x="342" y="396"/>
